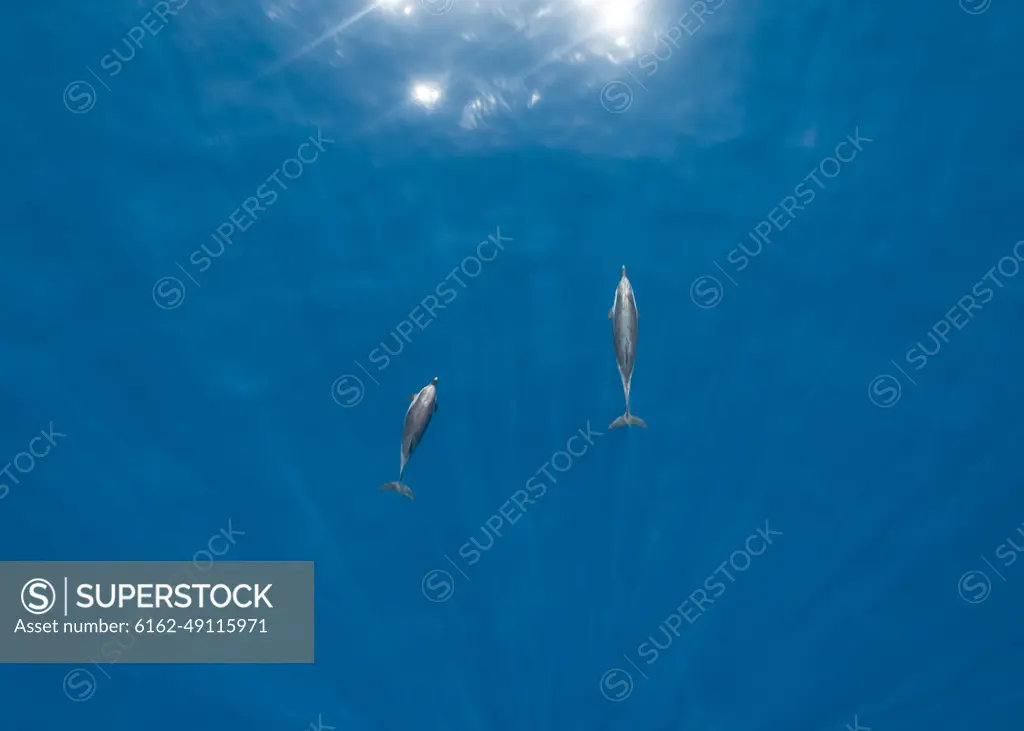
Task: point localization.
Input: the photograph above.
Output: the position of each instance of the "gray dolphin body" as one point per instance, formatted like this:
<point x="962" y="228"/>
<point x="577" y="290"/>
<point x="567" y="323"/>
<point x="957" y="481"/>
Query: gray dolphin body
<point x="417" y="419"/>
<point x="625" y="331"/>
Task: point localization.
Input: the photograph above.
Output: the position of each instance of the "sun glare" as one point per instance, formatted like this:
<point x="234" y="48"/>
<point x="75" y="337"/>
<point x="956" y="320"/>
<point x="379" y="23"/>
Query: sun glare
<point x="428" y="95"/>
<point x="613" y="16"/>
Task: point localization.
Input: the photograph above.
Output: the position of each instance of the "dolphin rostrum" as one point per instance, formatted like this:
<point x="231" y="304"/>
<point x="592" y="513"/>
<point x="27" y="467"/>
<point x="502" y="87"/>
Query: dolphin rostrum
<point x="625" y="319"/>
<point x="417" y="419"/>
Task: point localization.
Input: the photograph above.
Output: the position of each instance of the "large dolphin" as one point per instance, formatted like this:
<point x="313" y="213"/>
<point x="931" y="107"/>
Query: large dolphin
<point x="625" y="319"/>
<point x="417" y="419"/>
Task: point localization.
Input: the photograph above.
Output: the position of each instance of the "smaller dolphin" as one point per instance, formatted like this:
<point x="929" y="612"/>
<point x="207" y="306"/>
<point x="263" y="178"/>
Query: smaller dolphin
<point x="625" y="323"/>
<point x="417" y="419"/>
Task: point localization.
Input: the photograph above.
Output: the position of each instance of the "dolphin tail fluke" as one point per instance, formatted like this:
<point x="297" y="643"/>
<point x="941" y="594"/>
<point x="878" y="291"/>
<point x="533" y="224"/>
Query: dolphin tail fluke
<point x="398" y="487"/>
<point x="628" y="419"/>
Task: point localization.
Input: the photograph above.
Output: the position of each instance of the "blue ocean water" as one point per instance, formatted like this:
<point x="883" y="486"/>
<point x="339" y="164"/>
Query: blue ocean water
<point x="819" y="210"/>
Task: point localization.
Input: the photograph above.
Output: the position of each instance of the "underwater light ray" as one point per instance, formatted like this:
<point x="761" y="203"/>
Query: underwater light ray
<point x="327" y="35"/>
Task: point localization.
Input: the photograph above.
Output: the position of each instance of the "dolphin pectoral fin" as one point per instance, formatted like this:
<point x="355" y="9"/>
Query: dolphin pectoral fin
<point x="611" y="312"/>
<point x="412" y="397"/>
<point x="398" y="487"/>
